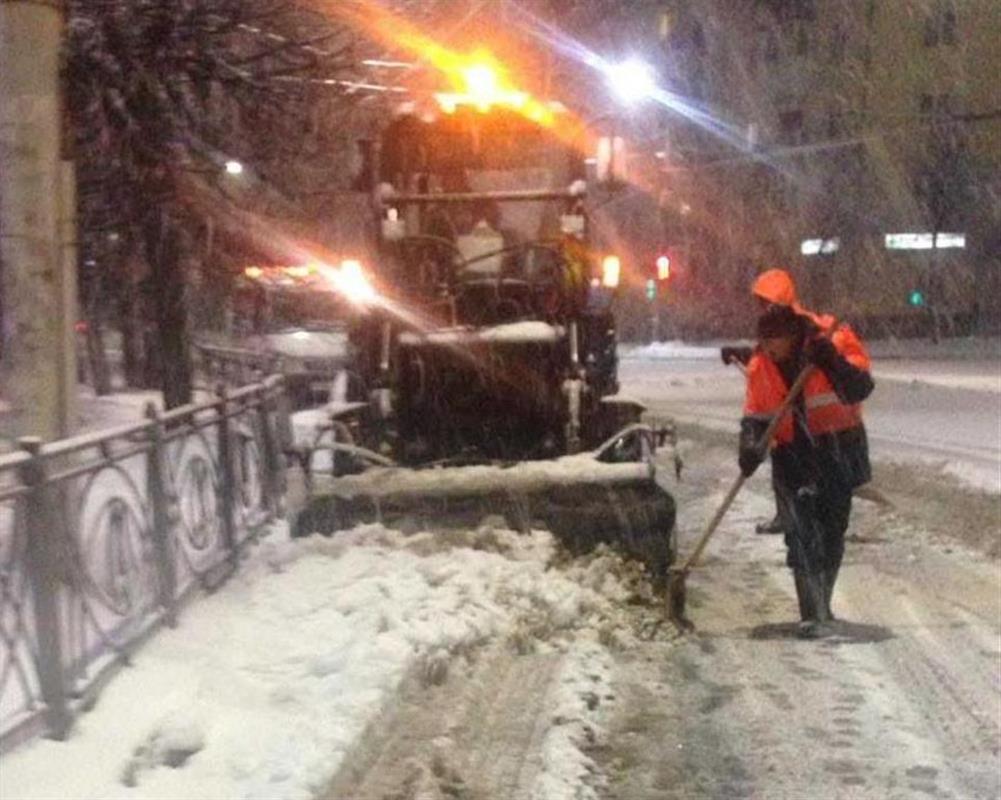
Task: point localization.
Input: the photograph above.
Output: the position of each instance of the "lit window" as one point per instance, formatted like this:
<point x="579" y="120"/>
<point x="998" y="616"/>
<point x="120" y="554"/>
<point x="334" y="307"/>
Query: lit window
<point x="924" y="241"/>
<point x="909" y="241"/>
<point x="943" y="240"/>
<point x="813" y="247"/>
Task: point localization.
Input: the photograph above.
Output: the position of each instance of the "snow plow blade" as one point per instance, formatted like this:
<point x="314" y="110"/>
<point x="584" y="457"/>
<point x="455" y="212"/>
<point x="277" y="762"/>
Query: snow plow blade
<point x="584" y="500"/>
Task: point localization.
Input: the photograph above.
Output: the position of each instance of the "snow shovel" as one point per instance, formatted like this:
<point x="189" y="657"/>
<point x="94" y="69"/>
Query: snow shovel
<point x="676" y="593"/>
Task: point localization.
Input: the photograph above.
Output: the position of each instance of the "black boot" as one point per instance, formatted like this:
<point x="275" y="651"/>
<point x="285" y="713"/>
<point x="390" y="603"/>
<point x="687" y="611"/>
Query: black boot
<point x="830" y="578"/>
<point x="813" y="611"/>
<point x="806" y="612"/>
<point x="774" y="526"/>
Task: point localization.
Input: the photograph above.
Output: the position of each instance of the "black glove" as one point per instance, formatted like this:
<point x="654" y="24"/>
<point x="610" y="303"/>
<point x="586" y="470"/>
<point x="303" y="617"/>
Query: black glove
<point x="731" y="354"/>
<point x="821" y="351"/>
<point x="749" y="455"/>
<point x="851" y="384"/>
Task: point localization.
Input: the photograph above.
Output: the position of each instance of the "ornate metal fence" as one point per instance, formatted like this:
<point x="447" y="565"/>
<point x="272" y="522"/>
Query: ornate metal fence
<point x="102" y="536"/>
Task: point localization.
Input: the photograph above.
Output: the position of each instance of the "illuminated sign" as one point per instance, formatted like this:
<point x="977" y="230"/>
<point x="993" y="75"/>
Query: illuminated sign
<point x="924" y="241"/>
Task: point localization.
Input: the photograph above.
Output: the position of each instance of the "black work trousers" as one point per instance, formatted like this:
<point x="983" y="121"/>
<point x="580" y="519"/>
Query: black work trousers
<point x="816" y="521"/>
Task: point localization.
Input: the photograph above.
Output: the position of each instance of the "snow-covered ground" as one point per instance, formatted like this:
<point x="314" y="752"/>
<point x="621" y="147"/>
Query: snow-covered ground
<point x="266" y="686"/>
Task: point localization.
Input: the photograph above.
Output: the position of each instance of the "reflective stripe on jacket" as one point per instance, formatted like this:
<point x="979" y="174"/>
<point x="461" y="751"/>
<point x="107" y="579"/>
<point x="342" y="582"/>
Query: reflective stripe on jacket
<point x="825" y="412"/>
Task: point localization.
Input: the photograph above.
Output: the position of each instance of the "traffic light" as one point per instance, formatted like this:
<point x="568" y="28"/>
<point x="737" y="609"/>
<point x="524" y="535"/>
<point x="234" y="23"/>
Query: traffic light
<point x="663" y="267"/>
<point x="916" y="298"/>
<point x="651" y="289"/>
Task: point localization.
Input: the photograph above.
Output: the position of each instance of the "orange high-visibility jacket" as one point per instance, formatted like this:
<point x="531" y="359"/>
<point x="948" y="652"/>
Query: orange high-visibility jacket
<point x="825" y="413"/>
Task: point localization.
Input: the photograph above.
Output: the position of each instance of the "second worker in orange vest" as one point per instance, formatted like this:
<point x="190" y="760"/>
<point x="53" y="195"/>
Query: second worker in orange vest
<point x="819" y="450"/>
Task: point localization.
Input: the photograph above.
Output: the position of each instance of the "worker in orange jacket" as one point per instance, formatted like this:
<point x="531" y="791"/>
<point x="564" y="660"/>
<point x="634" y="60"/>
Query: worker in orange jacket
<point x="819" y="450"/>
<point x="741" y="354"/>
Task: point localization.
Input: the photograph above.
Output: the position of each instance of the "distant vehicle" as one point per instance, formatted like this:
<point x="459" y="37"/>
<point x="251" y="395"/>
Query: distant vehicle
<point x="287" y="320"/>
<point x="310" y="358"/>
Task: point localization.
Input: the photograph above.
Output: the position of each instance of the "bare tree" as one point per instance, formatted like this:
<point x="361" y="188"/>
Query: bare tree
<point x="162" y="93"/>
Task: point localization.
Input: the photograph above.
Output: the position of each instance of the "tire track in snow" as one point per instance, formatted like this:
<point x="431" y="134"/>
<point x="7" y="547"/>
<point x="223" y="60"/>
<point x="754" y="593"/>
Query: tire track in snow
<point x="477" y="736"/>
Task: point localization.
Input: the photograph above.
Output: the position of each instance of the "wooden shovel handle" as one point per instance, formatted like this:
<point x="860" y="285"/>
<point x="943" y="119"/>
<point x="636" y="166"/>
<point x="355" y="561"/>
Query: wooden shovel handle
<point x="763" y="442"/>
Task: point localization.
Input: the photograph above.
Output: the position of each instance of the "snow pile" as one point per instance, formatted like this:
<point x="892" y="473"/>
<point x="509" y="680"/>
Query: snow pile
<point x="512" y="332"/>
<point x="265" y="687"/>
<point x="976" y="476"/>
<point x="95" y="412"/>
<point x="439" y="481"/>
<point x="973" y="375"/>
<point x="673" y="349"/>
<point x="581" y="704"/>
<point x="956" y="348"/>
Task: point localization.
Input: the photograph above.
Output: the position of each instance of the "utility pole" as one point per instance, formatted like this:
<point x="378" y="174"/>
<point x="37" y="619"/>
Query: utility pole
<point x="37" y="227"/>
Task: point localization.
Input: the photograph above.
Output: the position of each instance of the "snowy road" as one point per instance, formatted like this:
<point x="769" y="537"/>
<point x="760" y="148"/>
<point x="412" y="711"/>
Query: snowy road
<point x="483" y="665"/>
<point x="906" y="703"/>
<point x="945" y="414"/>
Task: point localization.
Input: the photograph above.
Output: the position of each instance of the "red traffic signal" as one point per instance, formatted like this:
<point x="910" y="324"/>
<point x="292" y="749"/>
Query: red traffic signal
<point x="663" y="267"/>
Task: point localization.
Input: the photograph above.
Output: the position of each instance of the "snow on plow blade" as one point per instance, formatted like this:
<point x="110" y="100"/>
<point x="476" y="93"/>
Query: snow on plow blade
<point x="609" y="495"/>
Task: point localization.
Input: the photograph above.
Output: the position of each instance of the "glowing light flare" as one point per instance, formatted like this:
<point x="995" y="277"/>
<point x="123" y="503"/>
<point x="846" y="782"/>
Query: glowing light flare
<point x="477" y="78"/>
<point x="350" y="280"/>
<point x="631" y="80"/>
<point x="611" y="269"/>
<point x="663" y="267"/>
<point x="481" y="82"/>
<point x="254" y="273"/>
<point x="261" y="232"/>
<point x="638" y="80"/>
<point x="299" y="270"/>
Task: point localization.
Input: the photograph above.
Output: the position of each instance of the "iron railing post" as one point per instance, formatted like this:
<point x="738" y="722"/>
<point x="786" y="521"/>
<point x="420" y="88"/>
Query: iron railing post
<point x="43" y="527"/>
<point x="159" y="498"/>
<point x="281" y="427"/>
<point x="269" y="445"/>
<point x="227" y="481"/>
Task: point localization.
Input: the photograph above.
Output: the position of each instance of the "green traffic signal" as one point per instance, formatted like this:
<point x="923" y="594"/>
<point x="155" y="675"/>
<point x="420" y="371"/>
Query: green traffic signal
<point x="651" y="289"/>
<point x="916" y="298"/>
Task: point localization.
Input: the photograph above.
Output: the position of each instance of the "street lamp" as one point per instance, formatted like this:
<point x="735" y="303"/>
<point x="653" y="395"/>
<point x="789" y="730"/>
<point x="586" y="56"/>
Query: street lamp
<point x="234" y="167"/>
<point x="632" y="80"/>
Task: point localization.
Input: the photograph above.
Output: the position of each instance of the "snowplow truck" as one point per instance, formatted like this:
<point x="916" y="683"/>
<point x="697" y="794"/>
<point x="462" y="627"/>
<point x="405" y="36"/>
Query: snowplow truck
<point x="486" y="376"/>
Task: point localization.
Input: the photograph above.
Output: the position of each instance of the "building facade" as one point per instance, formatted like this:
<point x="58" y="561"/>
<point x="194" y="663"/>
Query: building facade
<point x="856" y="142"/>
